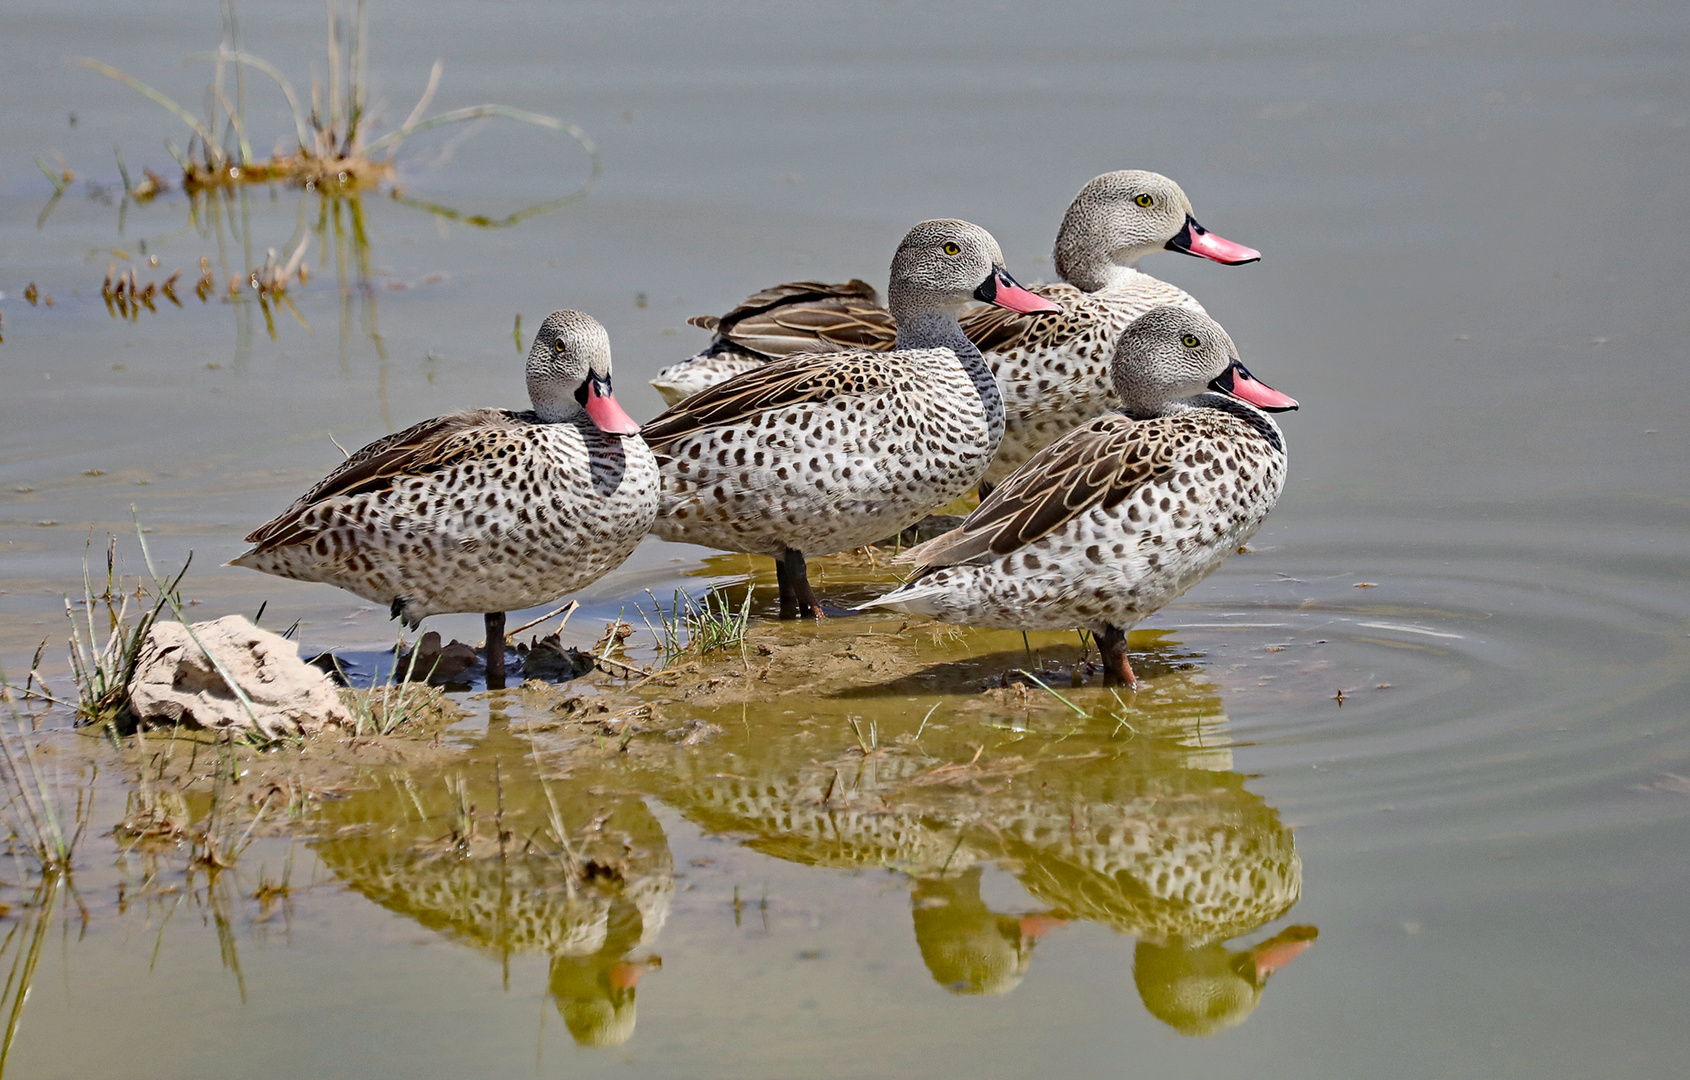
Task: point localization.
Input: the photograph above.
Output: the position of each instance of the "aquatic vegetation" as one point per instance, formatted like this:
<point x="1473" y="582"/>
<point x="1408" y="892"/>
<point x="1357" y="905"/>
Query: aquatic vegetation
<point x="104" y="644"/>
<point x="333" y="156"/>
<point x="693" y="627"/>
<point x="334" y="147"/>
<point x="383" y="707"/>
<point x="26" y="941"/>
<point x="38" y="820"/>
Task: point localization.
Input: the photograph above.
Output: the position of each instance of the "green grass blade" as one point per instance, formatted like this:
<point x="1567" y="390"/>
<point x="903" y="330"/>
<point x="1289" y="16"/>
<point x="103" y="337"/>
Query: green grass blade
<point x="136" y="84"/>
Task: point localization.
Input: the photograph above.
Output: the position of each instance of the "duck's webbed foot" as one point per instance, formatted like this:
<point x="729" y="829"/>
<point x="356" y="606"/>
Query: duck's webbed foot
<point x="1112" y="643"/>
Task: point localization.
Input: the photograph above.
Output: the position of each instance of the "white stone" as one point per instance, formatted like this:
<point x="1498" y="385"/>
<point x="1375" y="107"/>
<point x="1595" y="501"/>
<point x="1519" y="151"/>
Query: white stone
<point x="176" y="683"/>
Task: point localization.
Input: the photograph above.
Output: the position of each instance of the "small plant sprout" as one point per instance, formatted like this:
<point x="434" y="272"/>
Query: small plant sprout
<point x="693" y="627"/>
<point x="386" y="705"/>
<point x="869" y="743"/>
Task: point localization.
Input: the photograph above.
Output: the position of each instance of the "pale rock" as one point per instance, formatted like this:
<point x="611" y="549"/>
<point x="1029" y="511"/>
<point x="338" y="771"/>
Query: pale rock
<point x="175" y="682"/>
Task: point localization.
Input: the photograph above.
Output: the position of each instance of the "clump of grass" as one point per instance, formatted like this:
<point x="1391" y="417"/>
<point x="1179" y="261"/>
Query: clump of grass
<point x="385" y="706"/>
<point x="333" y="147"/>
<point x="104" y="645"/>
<point x="698" y="627"/>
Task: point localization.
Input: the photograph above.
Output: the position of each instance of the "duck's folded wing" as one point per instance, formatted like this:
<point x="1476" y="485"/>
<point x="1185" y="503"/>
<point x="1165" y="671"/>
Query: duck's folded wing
<point x="996" y="329"/>
<point x="421" y="448"/>
<point x="1099" y="463"/>
<point x="831" y="325"/>
<point x="793" y="292"/>
<point x="806" y="317"/>
<point x="782" y="384"/>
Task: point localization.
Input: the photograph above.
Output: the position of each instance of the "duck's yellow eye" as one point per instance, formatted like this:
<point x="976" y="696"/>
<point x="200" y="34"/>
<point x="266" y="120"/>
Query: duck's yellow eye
<point x="952" y="249"/>
<point x="1190" y="341"/>
<point x="1144" y="200"/>
<point x="558" y="344"/>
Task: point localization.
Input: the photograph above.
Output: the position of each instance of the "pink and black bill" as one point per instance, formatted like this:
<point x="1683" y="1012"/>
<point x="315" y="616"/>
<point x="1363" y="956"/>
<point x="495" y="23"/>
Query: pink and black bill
<point x="1237" y="381"/>
<point x="1005" y="292"/>
<point x="602" y="408"/>
<point x="1194" y="239"/>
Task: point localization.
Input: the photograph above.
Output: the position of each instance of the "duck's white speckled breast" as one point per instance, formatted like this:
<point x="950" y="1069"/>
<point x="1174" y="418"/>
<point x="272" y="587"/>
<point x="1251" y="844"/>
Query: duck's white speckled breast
<point x="1113" y="566"/>
<point x="523" y="518"/>
<point x="830" y="475"/>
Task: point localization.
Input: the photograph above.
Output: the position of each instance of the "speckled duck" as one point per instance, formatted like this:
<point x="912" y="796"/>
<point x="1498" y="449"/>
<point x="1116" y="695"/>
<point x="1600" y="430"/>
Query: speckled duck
<point x="821" y="453"/>
<point x="482" y="511"/>
<point x="1052" y="369"/>
<point x="1115" y="519"/>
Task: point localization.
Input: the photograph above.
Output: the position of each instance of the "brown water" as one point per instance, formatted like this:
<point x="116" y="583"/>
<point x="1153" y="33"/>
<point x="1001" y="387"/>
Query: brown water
<point x="1473" y="219"/>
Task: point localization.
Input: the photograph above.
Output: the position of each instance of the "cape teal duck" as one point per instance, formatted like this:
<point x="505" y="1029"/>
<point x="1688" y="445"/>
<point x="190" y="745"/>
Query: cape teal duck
<point x="823" y="452"/>
<point x="482" y="511"/>
<point x="1115" y="519"/>
<point x="1053" y="369"/>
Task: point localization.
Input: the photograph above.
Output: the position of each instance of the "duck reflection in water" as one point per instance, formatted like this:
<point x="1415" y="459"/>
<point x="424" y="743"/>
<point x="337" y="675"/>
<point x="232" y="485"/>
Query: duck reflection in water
<point x="477" y="859"/>
<point x="969" y="948"/>
<point x="1202" y="989"/>
<point x="594" y="993"/>
<point x="1152" y="835"/>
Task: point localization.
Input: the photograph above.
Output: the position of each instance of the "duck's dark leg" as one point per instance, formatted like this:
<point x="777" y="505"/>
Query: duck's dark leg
<point x="788" y="598"/>
<point x="985" y="490"/>
<point x="1112" y="643"/>
<point x="796" y="588"/>
<point x="495" y="650"/>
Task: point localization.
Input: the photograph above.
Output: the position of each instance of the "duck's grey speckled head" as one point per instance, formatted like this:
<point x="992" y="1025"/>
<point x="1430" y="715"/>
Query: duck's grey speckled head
<point x="1120" y="217"/>
<point x="943" y="265"/>
<point x="1169" y="354"/>
<point x="569" y="371"/>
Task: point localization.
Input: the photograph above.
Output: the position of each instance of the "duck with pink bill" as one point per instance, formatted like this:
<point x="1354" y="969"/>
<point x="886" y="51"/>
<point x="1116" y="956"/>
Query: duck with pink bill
<point x="1053" y="370"/>
<point x="1103" y="527"/>
<point x="825" y="452"/>
<point x="486" y="511"/>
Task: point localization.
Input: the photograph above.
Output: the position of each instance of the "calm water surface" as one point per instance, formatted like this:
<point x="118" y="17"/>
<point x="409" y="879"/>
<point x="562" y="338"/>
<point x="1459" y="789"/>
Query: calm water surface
<point x="1476" y="265"/>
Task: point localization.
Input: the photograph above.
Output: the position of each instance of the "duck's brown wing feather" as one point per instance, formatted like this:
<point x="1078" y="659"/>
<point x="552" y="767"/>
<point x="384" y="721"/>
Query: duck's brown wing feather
<point x="996" y="329"/>
<point x="420" y="448"/>
<point x="806" y="317"/>
<point x="1099" y="463"/>
<point x="779" y="385"/>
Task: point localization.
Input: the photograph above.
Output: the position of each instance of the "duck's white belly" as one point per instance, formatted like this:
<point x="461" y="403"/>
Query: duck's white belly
<point x="1110" y="566"/>
<point x="827" y="476"/>
<point x="487" y="534"/>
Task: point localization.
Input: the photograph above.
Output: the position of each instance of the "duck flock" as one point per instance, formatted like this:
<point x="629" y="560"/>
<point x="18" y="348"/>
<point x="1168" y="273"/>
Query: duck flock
<point x="1120" y="447"/>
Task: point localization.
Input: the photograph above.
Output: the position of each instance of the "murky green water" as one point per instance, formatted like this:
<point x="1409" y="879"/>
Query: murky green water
<point x="1474" y="278"/>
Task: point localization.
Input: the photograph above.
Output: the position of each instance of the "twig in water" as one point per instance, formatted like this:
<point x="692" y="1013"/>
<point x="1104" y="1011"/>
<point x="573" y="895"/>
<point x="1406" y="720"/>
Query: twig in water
<point x="1042" y="686"/>
<point x="926" y="718"/>
<point x="569" y="607"/>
